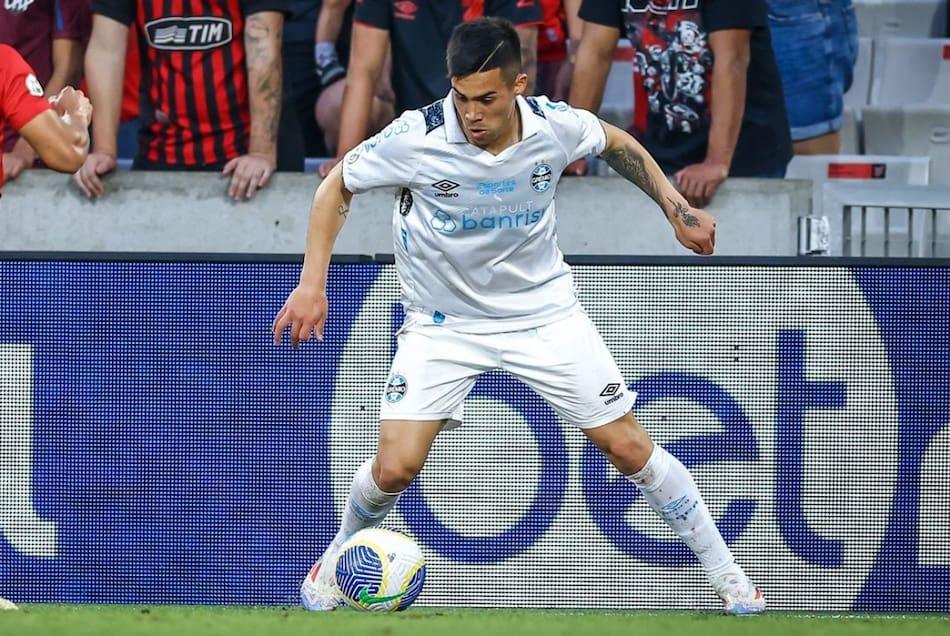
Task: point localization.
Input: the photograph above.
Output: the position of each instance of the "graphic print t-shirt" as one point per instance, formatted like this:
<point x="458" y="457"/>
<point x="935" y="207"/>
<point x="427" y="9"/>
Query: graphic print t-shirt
<point x="673" y="68"/>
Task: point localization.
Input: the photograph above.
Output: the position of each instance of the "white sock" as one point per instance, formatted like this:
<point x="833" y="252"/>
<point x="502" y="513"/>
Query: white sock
<point x="670" y="490"/>
<point x="324" y="53"/>
<point x="366" y="507"/>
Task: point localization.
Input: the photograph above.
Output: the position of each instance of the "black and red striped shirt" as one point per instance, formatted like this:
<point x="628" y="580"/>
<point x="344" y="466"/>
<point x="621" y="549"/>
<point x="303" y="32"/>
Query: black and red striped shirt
<point x="194" y="88"/>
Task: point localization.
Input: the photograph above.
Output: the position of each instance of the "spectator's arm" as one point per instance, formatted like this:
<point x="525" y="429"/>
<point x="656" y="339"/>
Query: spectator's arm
<point x="330" y="21"/>
<point x="263" y="34"/>
<point x="105" y="68"/>
<point x="575" y="28"/>
<point x="367" y="55"/>
<point x="67" y="65"/>
<point x="528" y="35"/>
<point x="60" y="137"/>
<point x="731" y="52"/>
<point x="594" y="57"/>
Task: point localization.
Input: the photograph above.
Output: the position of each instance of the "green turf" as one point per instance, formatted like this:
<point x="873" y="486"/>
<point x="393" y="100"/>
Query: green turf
<point x="83" y="620"/>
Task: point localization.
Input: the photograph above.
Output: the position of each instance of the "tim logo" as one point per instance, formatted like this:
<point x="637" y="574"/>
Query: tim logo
<point x="188" y="34"/>
<point x="405" y="9"/>
<point x="658" y="6"/>
<point x="16" y="7"/>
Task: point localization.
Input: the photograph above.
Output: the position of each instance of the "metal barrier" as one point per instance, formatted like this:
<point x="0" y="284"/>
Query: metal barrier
<point x="887" y="220"/>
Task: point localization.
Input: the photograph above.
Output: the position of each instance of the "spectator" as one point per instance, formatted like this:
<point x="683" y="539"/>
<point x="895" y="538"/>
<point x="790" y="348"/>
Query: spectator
<point x="418" y="31"/>
<point x="50" y="35"/>
<point x="56" y="127"/>
<point x="129" y="124"/>
<point x="816" y="46"/>
<point x="211" y="88"/>
<point x="552" y="51"/>
<point x="708" y="96"/>
<point x="331" y="55"/>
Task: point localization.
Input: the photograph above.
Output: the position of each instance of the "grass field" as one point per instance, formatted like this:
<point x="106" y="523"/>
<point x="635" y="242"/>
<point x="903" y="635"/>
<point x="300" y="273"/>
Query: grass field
<point x="90" y="620"/>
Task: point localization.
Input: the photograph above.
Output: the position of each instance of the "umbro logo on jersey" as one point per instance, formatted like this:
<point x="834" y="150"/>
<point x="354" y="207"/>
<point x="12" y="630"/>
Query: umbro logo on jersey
<point x="445" y="188"/>
<point x="188" y="34"/>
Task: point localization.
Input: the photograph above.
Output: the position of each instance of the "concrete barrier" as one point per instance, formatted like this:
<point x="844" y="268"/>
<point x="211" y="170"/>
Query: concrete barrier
<point x="189" y="212"/>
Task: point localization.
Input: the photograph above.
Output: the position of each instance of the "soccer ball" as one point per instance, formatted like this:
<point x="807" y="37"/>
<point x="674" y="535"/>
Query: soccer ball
<point x="380" y="570"/>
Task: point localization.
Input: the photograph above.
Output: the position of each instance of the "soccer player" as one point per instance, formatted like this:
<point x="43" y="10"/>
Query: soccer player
<point x="57" y="128"/>
<point x="486" y="287"/>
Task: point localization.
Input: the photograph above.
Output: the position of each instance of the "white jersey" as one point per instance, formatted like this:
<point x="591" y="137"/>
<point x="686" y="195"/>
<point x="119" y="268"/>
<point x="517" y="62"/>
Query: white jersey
<point x="475" y="233"/>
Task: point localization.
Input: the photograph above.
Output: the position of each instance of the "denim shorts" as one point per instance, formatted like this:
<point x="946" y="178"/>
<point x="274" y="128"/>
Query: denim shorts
<point x="816" y="46"/>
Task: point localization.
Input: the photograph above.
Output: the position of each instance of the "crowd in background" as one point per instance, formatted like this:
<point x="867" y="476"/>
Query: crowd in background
<point x="247" y="87"/>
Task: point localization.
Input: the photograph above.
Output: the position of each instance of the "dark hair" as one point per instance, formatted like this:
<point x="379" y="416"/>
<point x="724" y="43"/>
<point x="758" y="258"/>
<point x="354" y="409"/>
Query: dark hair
<point x="482" y="45"/>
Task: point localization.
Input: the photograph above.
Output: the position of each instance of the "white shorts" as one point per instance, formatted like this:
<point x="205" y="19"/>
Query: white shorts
<point x="566" y="362"/>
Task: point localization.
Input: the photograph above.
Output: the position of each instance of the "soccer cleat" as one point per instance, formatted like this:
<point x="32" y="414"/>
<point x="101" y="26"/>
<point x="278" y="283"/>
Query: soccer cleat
<point x="319" y="592"/>
<point x="739" y="596"/>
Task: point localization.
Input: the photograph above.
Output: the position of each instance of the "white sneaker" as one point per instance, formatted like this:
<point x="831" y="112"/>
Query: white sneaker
<point x="739" y="596"/>
<point x="319" y="592"/>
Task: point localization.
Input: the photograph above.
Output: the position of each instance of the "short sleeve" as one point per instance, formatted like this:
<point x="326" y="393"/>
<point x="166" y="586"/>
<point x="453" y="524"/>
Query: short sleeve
<point x="73" y="19"/>
<point x="388" y="159"/>
<point x="250" y="7"/>
<point x="22" y="95"/>
<point x="579" y="131"/>
<point x="122" y="11"/>
<point x="374" y="13"/>
<point x="518" y="12"/>
<point x="603" y="12"/>
<point x="720" y="15"/>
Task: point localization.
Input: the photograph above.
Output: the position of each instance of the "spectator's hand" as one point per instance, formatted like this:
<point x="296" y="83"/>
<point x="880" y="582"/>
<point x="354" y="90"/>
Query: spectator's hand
<point x="327" y="166"/>
<point x="89" y="176"/>
<point x="695" y="229"/>
<point x="14" y="164"/>
<point x="249" y="172"/>
<point x="699" y="182"/>
<point x="576" y="169"/>
<point x="71" y="104"/>
<point x="304" y="311"/>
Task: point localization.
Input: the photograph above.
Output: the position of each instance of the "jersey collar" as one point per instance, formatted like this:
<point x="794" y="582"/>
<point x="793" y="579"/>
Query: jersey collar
<point x="530" y="122"/>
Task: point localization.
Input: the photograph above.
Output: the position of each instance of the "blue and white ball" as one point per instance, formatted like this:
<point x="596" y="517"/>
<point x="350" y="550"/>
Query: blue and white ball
<point x="380" y="570"/>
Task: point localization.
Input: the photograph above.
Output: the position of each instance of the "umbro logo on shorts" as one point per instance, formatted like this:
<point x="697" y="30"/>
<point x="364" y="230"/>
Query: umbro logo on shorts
<point x="610" y="389"/>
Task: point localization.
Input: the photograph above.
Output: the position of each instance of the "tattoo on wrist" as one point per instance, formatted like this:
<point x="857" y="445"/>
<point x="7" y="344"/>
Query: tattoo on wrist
<point x="632" y="167"/>
<point x="681" y="212"/>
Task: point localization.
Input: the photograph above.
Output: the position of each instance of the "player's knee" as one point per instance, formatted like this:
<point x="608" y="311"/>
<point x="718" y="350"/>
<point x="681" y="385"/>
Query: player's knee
<point x="630" y="453"/>
<point x="396" y="473"/>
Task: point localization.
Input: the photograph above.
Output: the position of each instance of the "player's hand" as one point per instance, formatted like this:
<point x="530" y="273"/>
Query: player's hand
<point x="14" y="164"/>
<point x="327" y="166"/>
<point x="89" y="177"/>
<point x="699" y="182"/>
<point x="72" y="105"/>
<point x="305" y="312"/>
<point x="576" y="169"/>
<point x="249" y="173"/>
<point x="695" y="229"/>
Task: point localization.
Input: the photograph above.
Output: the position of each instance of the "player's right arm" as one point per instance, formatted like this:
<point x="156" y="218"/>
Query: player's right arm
<point x="389" y="159"/>
<point x="305" y="310"/>
<point x="105" y="68"/>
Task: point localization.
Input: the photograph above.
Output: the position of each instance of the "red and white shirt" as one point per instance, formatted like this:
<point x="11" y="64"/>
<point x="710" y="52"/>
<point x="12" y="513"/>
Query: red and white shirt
<point x="21" y="94"/>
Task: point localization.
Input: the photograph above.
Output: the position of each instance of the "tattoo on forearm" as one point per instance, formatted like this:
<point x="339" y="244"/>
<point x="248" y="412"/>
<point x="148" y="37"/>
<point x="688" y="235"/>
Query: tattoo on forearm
<point x="682" y="212"/>
<point x="263" y="44"/>
<point x="632" y="167"/>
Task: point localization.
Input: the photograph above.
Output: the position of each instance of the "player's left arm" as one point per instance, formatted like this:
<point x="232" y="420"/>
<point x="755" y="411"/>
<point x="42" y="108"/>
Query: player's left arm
<point x="263" y="33"/>
<point x="695" y="229"/>
<point x="731" y="50"/>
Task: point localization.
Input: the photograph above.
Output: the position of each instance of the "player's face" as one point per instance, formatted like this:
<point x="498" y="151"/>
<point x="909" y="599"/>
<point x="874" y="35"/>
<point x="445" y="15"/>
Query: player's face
<point x="486" y="105"/>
